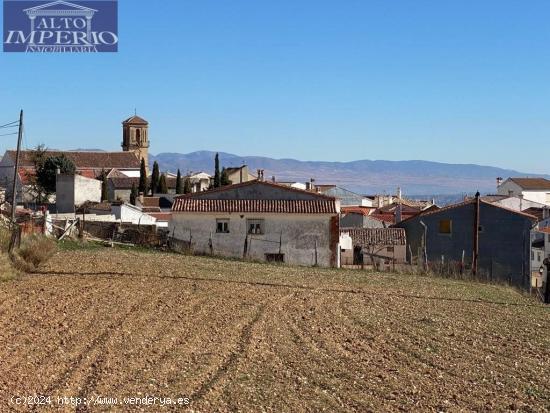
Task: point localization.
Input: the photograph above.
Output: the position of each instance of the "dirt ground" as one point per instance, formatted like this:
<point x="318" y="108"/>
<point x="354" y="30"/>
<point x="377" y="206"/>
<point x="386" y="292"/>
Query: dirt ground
<point x="226" y="336"/>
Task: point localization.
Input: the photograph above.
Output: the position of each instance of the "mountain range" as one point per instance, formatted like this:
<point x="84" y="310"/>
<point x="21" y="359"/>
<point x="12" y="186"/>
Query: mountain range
<point x="364" y="176"/>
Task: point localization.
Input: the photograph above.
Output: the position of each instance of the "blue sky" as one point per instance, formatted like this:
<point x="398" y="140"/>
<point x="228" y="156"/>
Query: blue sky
<point x="462" y="81"/>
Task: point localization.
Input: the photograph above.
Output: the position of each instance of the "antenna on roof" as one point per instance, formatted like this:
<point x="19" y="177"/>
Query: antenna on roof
<point x="135" y="112"/>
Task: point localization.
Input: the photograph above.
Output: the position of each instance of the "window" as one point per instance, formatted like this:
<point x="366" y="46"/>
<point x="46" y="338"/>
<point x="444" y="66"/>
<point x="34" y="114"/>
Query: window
<point x="445" y="226"/>
<point x="255" y="226"/>
<point x="222" y="226"/>
<point x="480" y="228"/>
<point x="275" y="257"/>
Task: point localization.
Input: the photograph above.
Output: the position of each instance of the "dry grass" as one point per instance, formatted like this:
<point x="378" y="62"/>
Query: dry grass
<point x="251" y="337"/>
<point x="34" y="251"/>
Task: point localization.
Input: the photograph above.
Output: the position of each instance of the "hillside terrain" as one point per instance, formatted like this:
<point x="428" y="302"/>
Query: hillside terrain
<point x="233" y="336"/>
<point x="365" y="176"/>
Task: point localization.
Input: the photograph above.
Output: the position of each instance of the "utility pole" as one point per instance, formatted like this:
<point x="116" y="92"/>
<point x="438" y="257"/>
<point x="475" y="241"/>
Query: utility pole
<point x="475" y="257"/>
<point x="16" y="169"/>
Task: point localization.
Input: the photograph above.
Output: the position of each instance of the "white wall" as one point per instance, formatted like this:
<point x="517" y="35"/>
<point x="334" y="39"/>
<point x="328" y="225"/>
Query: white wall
<point x="298" y="232"/>
<point x="510" y="188"/>
<point x="127" y="213"/>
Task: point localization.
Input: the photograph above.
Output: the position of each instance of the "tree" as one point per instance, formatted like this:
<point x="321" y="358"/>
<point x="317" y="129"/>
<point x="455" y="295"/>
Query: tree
<point x="187" y="186"/>
<point x="46" y="173"/>
<point x="217" y="177"/>
<point x="133" y="194"/>
<point x="103" y="179"/>
<point x="155" y="178"/>
<point x="38" y="157"/>
<point x="142" y="177"/>
<point x="163" y="187"/>
<point x="224" y="180"/>
<point x="178" y="183"/>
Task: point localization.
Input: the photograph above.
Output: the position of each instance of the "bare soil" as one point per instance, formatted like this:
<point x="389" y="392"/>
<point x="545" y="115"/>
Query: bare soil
<point x="233" y="336"/>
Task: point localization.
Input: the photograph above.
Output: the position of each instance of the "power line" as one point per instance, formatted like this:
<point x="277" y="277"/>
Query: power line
<point x="8" y="134"/>
<point x="11" y="124"/>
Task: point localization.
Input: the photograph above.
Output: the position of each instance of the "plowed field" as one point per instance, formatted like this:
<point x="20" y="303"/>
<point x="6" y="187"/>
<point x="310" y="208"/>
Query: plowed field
<point x="104" y="326"/>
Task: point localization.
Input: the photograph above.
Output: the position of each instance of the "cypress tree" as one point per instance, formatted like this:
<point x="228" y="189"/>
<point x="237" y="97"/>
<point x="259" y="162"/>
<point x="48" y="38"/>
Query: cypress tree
<point x="187" y="186"/>
<point x="225" y="178"/>
<point x="178" y="183"/>
<point x="163" y="187"/>
<point x="104" y="194"/>
<point x="143" y="178"/>
<point x="217" y="176"/>
<point x="133" y="194"/>
<point x="155" y="178"/>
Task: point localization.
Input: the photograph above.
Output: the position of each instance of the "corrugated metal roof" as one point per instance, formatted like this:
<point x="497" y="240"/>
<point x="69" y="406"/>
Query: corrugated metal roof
<point x="376" y="236"/>
<point x="317" y="206"/>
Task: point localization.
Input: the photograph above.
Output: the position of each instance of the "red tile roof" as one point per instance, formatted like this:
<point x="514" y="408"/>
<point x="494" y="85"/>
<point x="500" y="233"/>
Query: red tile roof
<point x="85" y="159"/>
<point x="317" y="206"/>
<point x="357" y="210"/>
<point x="376" y="236"/>
<point x="161" y="216"/>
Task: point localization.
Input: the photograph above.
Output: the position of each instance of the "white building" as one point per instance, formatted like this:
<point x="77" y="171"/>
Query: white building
<point x="72" y="191"/>
<point x="531" y="189"/>
<point x="260" y="221"/>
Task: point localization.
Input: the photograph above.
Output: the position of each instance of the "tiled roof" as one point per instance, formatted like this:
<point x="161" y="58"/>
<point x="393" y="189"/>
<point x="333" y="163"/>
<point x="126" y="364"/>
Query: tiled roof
<point x="151" y="201"/>
<point x="356" y="210"/>
<point x="161" y="216"/>
<point x="136" y="120"/>
<point x="124" y="183"/>
<point x="376" y="236"/>
<point x="545" y="230"/>
<point x="317" y="206"/>
<point x="85" y="159"/>
<point x="532" y="183"/>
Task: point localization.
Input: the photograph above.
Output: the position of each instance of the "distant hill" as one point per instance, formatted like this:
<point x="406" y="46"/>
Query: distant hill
<point x="365" y="176"/>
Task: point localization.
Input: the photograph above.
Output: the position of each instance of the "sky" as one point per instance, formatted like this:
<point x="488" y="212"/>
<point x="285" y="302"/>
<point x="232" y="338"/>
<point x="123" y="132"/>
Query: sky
<point x="459" y="81"/>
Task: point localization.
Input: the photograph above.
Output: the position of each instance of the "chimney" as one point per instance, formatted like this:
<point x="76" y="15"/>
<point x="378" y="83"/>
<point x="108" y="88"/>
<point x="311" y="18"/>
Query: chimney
<point x="308" y="186"/>
<point x="141" y="198"/>
<point x="399" y="194"/>
<point x="499" y="181"/>
<point x="520" y="196"/>
<point x="398" y="214"/>
<point x="273" y="179"/>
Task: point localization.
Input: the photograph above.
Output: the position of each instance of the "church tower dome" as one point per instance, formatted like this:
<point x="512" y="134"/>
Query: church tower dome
<point x="135" y="137"/>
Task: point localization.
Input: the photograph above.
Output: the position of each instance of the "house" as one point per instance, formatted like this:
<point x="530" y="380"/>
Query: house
<point x="261" y="221"/>
<point x="346" y="197"/>
<point x="359" y="217"/>
<point x="531" y="189"/>
<point x="90" y="164"/>
<point x="237" y="175"/>
<point x="516" y="203"/>
<point x="376" y="247"/>
<point x="75" y="190"/>
<point x="492" y="240"/>
<point x="200" y="181"/>
<point x="119" y="212"/>
<point x="540" y="250"/>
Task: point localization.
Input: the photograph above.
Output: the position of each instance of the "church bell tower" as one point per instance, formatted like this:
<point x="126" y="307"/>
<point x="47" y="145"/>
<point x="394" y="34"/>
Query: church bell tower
<point x="135" y="138"/>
